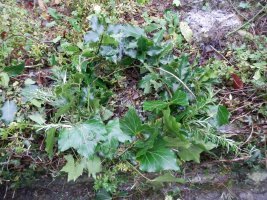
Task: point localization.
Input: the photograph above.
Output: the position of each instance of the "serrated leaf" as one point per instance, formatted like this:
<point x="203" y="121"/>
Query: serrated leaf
<point x="9" y="111"/>
<point x="93" y="166"/>
<point x="170" y="124"/>
<point x="157" y="159"/>
<point x="114" y="131"/>
<point x="83" y="138"/>
<point x="50" y="141"/>
<point x="155" y="105"/>
<point x="74" y="169"/>
<point x="186" y="31"/>
<point x="38" y="118"/>
<point x="14" y="70"/>
<point x="222" y="115"/>
<point x="131" y="123"/>
<point x="180" y="98"/>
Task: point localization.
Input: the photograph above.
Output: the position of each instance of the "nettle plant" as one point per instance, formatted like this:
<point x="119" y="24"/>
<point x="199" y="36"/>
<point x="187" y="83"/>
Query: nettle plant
<point x="180" y="126"/>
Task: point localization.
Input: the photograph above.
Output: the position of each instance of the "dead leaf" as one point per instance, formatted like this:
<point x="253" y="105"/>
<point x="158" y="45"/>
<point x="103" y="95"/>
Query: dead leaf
<point x="186" y="31"/>
<point x="238" y="83"/>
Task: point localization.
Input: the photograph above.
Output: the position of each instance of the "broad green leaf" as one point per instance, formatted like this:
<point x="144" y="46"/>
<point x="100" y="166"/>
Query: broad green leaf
<point x="149" y="81"/>
<point x="9" y="111"/>
<point x="170" y="123"/>
<point x="75" y="24"/>
<point x="91" y="36"/>
<point x="168" y="178"/>
<point x="222" y="115"/>
<point x="50" y="141"/>
<point x="131" y="123"/>
<point x="36" y="103"/>
<point x="96" y="26"/>
<point x="176" y="142"/>
<point x="186" y="31"/>
<point x="155" y="105"/>
<point x="38" y="118"/>
<point x="191" y="153"/>
<point x="143" y="44"/>
<point x="14" y="70"/>
<point x="158" y="36"/>
<point x="133" y="31"/>
<point x="4" y="79"/>
<point x="74" y="169"/>
<point x="53" y="12"/>
<point x="83" y="138"/>
<point x="103" y="195"/>
<point x="157" y="159"/>
<point x="71" y="49"/>
<point x="109" y="148"/>
<point x="114" y="131"/>
<point x="93" y="166"/>
<point x="107" y="40"/>
<point x="180" y="98"/>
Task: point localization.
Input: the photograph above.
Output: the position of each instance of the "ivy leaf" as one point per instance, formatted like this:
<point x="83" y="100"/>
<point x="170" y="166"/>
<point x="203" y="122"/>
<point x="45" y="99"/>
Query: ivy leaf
<point x="191" y="153"/>
<point x="180" y="98"/>
<point x="83" y="138"/>
<point x="186" y="31"/>
<point x="14" y="70"/>
<point x="9" y="111"/>
<point x="176" y="142"/>
<point x="50" y="141"/>
<point x="222" y="115"/>
<point x="93" y="166"/>
<point x="155" y="105"/>
<point x="114" y="131"/>
<point x="131" y="123"/>
<point x="74" y="169"/>
<point x="157" y="159"/>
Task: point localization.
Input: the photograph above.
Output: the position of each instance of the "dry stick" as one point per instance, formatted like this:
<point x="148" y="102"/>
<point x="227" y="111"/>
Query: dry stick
<point x="249" y="21"/>
<point x="237" y="11"/>
<point x="180" y="81"/>
<point x="249" y="137"/>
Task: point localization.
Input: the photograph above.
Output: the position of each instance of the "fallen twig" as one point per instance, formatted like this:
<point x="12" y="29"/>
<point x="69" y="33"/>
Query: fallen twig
<point x="249" y="21"/>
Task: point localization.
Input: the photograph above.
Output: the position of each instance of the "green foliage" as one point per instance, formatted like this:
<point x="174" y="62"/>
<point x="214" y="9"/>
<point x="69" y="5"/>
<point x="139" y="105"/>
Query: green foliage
<point x="77" y="115"/>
